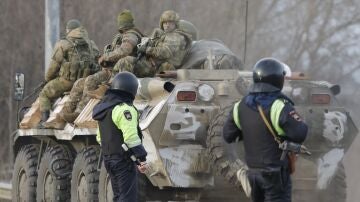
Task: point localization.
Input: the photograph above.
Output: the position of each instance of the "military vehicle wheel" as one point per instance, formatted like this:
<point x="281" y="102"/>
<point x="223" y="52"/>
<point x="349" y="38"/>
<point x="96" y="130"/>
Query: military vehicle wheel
<point x="85" y="177"/>
<point x="25" y="174"/>
<point x="53" y="175"/>
<point x="105" y="189"/>
<point x="225" y="157"/>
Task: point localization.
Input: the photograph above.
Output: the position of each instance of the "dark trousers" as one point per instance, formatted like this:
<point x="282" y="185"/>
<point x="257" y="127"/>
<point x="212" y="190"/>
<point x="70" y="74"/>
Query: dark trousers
<point x="270" y="185"/>
<point x="123" y="175"/>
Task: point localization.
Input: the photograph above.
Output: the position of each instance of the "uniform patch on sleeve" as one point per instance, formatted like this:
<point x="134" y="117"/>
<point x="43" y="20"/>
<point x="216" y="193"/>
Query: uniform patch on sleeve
<point x="127" y="115"/>
<point x="295" y="115"/>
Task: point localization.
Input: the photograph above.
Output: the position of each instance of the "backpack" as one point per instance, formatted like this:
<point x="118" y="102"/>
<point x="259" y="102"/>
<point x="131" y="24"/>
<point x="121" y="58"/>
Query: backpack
<point x="80" y="61"/>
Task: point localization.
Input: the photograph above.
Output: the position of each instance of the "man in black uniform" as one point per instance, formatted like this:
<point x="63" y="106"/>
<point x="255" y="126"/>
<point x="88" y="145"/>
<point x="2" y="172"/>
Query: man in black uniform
<point x="268" y="175"/>
<point x="118" y="122"/>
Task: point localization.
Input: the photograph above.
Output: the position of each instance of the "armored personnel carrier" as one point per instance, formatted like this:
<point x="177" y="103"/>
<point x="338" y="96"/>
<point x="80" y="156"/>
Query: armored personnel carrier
<point x="182" y="114"/>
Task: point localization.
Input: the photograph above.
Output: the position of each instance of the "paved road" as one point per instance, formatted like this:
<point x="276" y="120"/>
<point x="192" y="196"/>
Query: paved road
<point x="223" y="192"/>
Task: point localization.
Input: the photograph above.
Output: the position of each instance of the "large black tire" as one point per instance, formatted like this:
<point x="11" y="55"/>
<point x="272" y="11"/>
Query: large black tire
<point x="226" y="158"/>
<point x="54" y="180"/>
<point x="85" y="176"/>
<point x="25" y="174"/>
<point x="105" y="189"/>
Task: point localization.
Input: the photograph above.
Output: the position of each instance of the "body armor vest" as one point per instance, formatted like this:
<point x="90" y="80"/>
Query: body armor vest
<point x="79" y="61"/>
<point x="111" y="136"/>
<point x="260" y="147"/>
<point x="179" y="54"/>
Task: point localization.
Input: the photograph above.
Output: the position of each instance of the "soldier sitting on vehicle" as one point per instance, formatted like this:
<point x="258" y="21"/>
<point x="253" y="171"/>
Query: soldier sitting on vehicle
<point x="165" y="50"/>
<point x="73" y="57"/>
<point x="123" y="44"/>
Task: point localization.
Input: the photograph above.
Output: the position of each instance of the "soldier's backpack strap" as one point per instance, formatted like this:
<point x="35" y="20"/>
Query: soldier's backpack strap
<point x="236" y="115"/>
<point x="137" y="33"/>
<point x="116" y="40"/>
<point x="72" y="47"/>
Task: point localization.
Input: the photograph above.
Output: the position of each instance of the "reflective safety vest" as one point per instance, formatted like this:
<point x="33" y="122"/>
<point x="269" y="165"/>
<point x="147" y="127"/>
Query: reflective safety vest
<point x="275" y="112"/>
<point x="119" y="125"/>
<point x="260" y="147"/>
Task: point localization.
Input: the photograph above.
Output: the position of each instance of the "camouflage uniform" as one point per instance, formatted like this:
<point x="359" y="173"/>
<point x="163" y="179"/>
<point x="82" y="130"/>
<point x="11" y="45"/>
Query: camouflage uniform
<point x="123" y="44"/>
<point x="75" y="95"/>
<point x="164" y="51"/>
<point x="74" y="57"/>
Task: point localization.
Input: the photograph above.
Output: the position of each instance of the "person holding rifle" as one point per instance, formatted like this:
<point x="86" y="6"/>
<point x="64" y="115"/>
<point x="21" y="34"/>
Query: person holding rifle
<point x="164" y="51"/>
<point x="265" y="119"/>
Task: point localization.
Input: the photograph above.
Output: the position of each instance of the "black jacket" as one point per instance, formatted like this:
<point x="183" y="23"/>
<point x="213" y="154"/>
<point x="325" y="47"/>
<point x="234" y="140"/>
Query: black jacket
<point x="261" y="150"/>
<point x="111" y="136"/>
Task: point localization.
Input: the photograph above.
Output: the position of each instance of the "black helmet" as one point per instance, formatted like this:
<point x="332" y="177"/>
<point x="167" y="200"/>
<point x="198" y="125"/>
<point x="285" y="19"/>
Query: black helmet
<point x="268" y="71"/>
<point x="125" y="81"/>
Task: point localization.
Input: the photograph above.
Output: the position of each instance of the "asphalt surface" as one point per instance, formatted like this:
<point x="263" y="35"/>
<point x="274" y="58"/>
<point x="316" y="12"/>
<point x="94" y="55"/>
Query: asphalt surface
<point x="223" y="192"/>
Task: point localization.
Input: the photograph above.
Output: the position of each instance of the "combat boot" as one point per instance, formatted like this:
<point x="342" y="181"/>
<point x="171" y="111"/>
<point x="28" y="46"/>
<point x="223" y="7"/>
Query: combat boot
<point x="69" y="116"/>
<point x="44" y="116"/>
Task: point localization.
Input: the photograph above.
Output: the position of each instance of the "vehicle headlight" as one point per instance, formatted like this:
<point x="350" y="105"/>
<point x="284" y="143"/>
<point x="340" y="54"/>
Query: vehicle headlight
<point x="206" y="92"/>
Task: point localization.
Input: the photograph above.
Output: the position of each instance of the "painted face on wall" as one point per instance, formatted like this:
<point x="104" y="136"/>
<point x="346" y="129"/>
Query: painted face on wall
<point x="334" y="126"/>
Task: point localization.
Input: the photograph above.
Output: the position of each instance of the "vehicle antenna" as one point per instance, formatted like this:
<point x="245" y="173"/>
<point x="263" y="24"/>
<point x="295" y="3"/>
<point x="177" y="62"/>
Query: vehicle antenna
<point x="246" y="23"/>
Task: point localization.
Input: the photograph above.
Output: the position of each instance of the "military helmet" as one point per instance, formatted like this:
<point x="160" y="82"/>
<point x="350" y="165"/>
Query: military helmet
<point x="73" y="24"/>
<point x="269" y="71"/>
<point x="125" y="20"/>
<point x="126" y="82"/>
<point x="169" y="15"/>
<point x="189" y="28"/>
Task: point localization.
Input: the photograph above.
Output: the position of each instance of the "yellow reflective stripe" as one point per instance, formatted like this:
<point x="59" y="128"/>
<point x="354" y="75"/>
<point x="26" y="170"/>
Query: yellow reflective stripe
<point x="275" y="112"/>
<point x="128" y="127"/>
<point x="236" y="115"/>
<point x="98" y="137"/>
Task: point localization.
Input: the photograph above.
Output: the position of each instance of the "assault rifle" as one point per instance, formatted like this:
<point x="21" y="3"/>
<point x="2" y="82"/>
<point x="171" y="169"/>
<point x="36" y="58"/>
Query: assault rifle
<point x="288" y="146"/>
<point x="142" y="45"/>
<point x="36" y="89"/>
